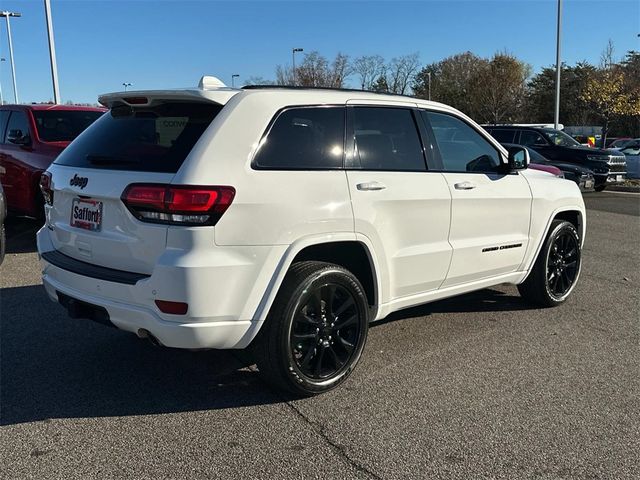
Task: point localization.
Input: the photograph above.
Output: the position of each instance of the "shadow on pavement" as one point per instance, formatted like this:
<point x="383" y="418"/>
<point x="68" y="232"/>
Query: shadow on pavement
<point x="21" y="234"/>
<point x="56" y="367"/>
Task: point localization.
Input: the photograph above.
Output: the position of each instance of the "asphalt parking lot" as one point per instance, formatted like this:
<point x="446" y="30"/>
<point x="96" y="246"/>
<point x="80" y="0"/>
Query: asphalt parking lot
<point x="480" y="386"/>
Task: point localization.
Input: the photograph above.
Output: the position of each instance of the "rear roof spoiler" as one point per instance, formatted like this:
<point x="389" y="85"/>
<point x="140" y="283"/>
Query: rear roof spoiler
<point x="210" y="89"/>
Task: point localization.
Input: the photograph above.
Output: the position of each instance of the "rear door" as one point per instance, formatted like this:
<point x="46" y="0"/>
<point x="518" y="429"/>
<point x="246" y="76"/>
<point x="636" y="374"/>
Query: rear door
<point x="145" y="144"/>
<point x="400" y="206"/>
<point x="490" y="211"/>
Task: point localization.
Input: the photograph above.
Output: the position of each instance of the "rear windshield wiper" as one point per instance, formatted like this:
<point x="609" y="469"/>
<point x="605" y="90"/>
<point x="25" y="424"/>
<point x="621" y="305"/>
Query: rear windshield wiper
<point x="110" y="160"/>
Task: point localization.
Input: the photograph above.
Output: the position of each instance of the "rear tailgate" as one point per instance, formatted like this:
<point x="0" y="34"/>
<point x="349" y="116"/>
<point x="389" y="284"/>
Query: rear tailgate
<point x="118" y="240"/>
<point x="129" y="144"/>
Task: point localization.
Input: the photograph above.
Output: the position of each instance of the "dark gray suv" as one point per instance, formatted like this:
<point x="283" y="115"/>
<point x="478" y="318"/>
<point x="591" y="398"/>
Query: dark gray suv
<point x="3" y="215"/>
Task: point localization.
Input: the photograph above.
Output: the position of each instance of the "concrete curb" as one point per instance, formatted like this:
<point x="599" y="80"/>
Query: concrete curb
<point x="621" y="188"/>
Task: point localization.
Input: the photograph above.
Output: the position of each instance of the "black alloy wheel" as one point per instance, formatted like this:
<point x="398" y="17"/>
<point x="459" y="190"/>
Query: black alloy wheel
<point x="562" y="264"/>
<point x="325" y="331"/>
<point x="556" y="270"/>
<point x="316" y="329"/>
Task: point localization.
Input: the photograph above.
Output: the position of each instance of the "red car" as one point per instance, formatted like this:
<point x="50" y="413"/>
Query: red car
<point x="31" y="137"/>
<point x="547" y="168"/>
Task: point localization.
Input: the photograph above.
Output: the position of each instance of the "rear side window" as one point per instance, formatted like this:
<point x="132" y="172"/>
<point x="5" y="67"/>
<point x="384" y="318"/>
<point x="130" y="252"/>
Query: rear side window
<point x="503" y="136"/>
<point x="462" y="148"/>
<point x="386" y="139"/>
<point x="62" y="125"/>
<point x="307" y="138"/>
<point x="146" y="139"/>
<point x="530" y="138"/>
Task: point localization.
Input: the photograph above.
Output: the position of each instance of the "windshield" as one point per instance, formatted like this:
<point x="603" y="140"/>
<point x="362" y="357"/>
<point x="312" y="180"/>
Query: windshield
<point x="143" y="139"/>
<point x="560" y="139"/>
<point x="63" y="125"/>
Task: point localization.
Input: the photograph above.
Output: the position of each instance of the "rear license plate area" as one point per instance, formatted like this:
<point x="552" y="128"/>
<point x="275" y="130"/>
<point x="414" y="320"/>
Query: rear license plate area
<point x="86" y="213"/>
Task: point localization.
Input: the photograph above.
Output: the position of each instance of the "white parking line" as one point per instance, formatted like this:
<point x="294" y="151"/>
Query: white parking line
<point x="622" y="193"/>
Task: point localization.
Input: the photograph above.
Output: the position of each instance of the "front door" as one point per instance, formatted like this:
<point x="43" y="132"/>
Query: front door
<point x="490" y="211"/>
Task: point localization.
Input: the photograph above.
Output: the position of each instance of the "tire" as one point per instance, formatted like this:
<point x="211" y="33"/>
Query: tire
<point x="304" y="347"/>
<point x="556" y="270"/>
<point x="600" y="188"/>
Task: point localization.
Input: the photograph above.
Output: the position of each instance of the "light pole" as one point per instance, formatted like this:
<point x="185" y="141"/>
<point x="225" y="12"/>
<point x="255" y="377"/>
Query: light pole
<point x="126" y="84"/>
<point x="6" y="14"/>
<point x="52" y="52"/>
<point x="233" y="78"/>
<point x="293" y="58"/>
<point x="429" y="75"/>
<point x="556" y="117"/>
<point x="1" y="97"/>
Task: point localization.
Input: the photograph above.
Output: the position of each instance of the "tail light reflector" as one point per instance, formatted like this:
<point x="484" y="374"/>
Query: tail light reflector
<point x="178" y="204"/>
<point x="172" y="308"/>
<point x="45" y="188"/>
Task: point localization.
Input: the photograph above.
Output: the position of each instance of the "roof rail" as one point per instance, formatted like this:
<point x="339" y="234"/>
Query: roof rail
<point x="335" y="89"/>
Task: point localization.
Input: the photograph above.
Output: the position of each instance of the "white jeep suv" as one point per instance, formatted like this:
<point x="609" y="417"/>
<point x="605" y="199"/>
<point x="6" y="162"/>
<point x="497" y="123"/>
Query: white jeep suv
<point x="287" y="219"/>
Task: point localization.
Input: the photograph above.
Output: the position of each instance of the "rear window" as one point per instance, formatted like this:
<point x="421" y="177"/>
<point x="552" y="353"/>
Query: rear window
<point x="147" y="139"/>
<point x="62" y="125"/>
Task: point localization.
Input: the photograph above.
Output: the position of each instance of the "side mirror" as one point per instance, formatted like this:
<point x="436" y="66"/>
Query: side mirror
<point x="18" y="138"/>
<point x="518" y="158"/>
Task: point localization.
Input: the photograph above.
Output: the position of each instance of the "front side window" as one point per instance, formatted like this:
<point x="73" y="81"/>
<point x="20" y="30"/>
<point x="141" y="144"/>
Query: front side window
<point x="386" y="139"/>
<point x="306" y="138"/>
<point x="462" y="149"/>
<point x="63" y="125"/>
<point x="529" y="138"/>
<point x="560" y="138"/>
<point x="18" y="128"/>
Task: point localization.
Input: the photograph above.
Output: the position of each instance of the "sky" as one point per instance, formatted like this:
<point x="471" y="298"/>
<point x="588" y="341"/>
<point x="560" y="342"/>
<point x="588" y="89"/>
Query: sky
<point x="170" y="44"/>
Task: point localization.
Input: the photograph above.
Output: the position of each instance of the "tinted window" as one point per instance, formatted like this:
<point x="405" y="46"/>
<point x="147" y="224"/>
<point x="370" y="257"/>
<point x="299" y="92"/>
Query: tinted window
<point x="18" y="126"/>
<point x="503" y="136"/>
<point x="386" y="139"/>
<point x="304" y="138"/>
<point x="62" y="125"/>
<point x="462" y="149"/>
<point x="560" y="138"/>
<point x="148" y="139"/>
<point x="4" y="116"/>
<point x="530" y="138"/>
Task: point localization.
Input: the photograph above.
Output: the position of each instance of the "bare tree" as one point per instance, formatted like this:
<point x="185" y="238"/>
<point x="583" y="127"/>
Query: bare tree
<point x="284" y="75"/>
<point x="340" y="70"/>
<point x="253" y="80"/>
<point x="400" y="72"/>
<point x="607" y="56"/>
<point x="369" y="69"/>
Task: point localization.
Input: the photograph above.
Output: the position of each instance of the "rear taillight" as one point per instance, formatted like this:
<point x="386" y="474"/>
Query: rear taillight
<point x="45" y="188"/>
<point x="178" y="204"/>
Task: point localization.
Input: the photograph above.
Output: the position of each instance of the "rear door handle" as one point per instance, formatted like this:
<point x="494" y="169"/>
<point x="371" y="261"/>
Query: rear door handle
<point x="367" y="186"/>
<point x="465" y="186"/>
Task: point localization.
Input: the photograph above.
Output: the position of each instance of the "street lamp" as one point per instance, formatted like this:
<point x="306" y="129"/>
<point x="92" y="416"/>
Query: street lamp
<point x="233" y="78"/>
<point x="1" y="97"/>
<point x="293" y="57"/>
<point x="556" y="117"/>
<point x="126" y="84"/>
<point x="52" y="52"/>
<point x="6" y="14"/>
<point x="429" y="75"/>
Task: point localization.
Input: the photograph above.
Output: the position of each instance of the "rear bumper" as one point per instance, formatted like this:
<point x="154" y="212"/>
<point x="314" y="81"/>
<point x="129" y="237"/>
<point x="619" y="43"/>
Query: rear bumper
<point x="220" y="286"/>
